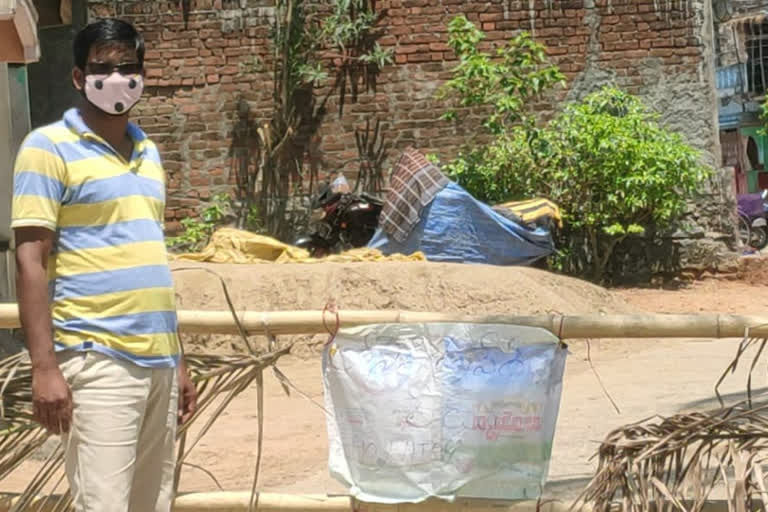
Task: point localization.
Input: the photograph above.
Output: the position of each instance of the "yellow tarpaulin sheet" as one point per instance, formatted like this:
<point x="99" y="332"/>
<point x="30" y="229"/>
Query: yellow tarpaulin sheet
<point x="230" y="245"/>
<point x="534" y="209"/>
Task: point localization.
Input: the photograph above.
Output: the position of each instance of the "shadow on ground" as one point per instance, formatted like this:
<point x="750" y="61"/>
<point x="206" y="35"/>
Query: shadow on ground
<point x="759" y="398"/>
<point x="10" y="342"/>
<point x="566" y="489"/>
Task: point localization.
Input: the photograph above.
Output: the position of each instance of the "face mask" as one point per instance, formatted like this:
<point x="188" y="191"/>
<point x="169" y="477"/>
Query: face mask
<point x="115" y="94"/>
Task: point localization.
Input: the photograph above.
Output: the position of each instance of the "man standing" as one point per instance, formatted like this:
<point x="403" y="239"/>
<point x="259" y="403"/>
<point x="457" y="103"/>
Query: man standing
<point x="94" y="288"/>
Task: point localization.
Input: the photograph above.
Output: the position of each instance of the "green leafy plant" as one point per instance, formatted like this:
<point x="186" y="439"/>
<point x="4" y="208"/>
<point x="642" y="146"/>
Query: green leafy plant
<point x="194" y="235"/>
<point x="616" y="171"/>
<point x="318" y="51"/>
<point x="606" y="161"/>
<point x="197" y="232"/>
<point x="609" y="164"/>
<point x="503" y="82"/>
<point x="500" y="84"/>
<point x="253" y="220"/>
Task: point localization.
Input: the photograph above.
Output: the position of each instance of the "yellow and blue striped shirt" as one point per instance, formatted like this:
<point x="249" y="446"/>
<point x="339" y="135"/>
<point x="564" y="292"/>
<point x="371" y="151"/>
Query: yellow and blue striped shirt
<point x="109" y="281"/>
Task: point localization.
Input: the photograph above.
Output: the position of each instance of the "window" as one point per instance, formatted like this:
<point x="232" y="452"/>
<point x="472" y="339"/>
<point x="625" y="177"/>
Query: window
<point x="757" y="53"/>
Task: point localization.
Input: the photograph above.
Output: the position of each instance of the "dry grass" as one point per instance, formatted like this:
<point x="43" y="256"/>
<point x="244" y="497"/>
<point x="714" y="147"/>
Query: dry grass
<point x="218" y="379"/>
<point x="676" y="463"/>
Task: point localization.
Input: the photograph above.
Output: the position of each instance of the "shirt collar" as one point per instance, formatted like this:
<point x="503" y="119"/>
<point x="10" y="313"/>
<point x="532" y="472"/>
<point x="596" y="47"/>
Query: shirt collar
<point x="74" y="120"/>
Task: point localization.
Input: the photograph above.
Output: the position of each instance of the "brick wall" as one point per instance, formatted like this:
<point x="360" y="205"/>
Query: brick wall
<point x="198" y="73"/>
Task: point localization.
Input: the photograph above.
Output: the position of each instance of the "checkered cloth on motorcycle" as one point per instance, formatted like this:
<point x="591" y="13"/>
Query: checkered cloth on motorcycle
<point x="414" y="184"/>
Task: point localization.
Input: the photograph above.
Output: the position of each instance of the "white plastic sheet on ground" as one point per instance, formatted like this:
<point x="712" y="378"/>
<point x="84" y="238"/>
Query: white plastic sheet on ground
<point x="442" y="410"/>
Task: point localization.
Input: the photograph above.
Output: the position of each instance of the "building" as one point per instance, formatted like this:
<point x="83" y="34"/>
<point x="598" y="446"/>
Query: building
<point x="742" y="81"/>
<point x="200" y="68"/>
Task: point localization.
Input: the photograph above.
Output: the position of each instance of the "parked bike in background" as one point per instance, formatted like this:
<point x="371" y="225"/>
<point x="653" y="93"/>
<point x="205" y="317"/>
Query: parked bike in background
<point x="753" y="225"/>
<point x="340" y="220"/>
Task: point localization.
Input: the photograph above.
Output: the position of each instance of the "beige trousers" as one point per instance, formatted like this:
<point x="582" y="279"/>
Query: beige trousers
<point x="120" y="452"/>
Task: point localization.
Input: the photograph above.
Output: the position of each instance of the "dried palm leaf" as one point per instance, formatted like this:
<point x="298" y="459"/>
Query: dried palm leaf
<point x="218" y="379"/>
<point x="676" y="463"/>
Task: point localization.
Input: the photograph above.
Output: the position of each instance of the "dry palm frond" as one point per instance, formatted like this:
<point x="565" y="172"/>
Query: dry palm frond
<point x="675" y="463"/>
<point x="218" y="379"/>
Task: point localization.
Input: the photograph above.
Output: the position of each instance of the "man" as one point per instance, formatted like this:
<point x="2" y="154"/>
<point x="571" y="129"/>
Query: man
<point x="94" y="288"/>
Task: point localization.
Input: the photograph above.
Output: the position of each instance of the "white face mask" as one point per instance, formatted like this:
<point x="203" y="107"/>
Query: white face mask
<point x="115" y="94"/>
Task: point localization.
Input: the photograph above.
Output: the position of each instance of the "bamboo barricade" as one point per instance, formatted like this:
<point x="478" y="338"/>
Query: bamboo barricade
<point x="268" y="502"/>
<point x="319" y="322"/>
<point x="566" y="327"/>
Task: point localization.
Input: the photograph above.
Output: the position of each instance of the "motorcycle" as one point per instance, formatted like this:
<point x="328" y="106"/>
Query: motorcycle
<point x="340" y="220"/>
<point x="753" y="219"/>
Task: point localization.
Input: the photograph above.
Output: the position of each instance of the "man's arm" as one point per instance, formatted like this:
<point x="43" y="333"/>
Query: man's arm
<point x="187" y="389"/>
<point x="187" y="393"/>
<point x="50" y="392"/>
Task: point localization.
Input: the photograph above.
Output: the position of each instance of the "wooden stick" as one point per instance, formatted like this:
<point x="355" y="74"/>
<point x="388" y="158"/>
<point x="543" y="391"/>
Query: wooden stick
<point x="567" y="327"/>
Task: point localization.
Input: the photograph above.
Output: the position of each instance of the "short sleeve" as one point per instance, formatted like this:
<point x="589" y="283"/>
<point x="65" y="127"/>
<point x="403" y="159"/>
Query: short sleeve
<point x="39" y="183"/>
<point x="154" y="165"/>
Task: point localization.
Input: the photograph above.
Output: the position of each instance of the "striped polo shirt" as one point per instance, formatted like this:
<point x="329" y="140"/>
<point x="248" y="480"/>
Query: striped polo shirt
<point x="109" y="281"/>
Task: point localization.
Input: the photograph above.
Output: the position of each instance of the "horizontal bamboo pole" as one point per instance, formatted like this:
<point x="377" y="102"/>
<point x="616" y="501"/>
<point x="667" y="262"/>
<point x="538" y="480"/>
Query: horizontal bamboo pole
<point x="224" y="501"/>
<point x="268" y="502"/>
<point x="239" y="501"/>
<point x="567" y="327"/>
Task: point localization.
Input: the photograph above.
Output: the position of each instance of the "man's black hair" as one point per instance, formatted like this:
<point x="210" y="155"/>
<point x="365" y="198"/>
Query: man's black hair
<point x="107" y="32"/>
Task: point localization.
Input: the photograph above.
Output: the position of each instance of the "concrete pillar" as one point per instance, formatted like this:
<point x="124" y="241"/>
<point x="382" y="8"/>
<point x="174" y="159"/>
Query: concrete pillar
<point x="14" y="126"/>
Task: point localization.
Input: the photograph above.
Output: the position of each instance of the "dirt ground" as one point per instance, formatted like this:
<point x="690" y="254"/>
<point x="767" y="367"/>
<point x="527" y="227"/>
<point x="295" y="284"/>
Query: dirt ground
<point x="643" y="377"/>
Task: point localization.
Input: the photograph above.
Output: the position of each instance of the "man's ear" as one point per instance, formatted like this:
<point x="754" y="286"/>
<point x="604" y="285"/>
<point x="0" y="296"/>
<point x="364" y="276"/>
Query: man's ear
<point x="78" y="78"/>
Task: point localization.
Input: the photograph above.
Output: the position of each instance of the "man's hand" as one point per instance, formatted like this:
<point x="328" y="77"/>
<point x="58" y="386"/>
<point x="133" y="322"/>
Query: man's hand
<point x="52" y="400"/>
<point x="51" y="396"/>
<point x="187" y="396"/>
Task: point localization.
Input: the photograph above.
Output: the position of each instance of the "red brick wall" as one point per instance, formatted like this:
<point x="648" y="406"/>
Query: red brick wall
<point x="660" y="49"/>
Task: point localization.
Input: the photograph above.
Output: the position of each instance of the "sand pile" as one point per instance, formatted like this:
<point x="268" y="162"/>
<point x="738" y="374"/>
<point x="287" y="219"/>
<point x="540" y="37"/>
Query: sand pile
<point x="753" y="270"/>
<point x="413" y="286"/>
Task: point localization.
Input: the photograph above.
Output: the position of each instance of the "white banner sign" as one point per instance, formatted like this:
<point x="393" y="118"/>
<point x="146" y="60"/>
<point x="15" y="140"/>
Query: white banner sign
<point x="442" y="410"/>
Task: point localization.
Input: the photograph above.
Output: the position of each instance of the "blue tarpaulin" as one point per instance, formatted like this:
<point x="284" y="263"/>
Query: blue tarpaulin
<point x="455" y="227"/>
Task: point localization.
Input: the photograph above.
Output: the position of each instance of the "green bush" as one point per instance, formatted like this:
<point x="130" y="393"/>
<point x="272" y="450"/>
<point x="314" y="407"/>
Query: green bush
<point x="615" y="171"/>
<point x="501" y="84"/>
<point x="196" y="233"/>
<point x="606" y="161"/>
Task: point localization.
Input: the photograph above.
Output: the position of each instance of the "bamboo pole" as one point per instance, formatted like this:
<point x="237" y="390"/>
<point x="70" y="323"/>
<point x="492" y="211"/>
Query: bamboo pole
<point x="268" y="502"/>
<point x="237" y="501"/>
<point x="567" y="327"/>
<point x="224" y="501"/>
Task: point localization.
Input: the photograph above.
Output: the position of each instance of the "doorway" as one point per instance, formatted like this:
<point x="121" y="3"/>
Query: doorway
<point x="50" y="83"/>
